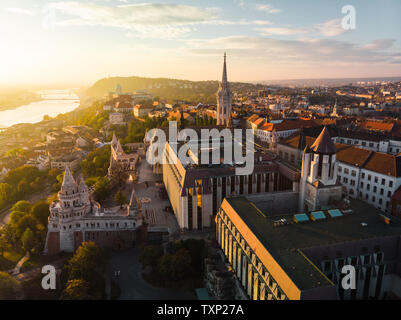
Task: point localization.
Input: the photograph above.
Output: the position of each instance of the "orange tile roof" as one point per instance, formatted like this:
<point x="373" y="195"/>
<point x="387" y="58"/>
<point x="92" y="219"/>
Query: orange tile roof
<point x="375" y="125"/>
<point x="289" y="125"/>
<point x="383" y="163"/>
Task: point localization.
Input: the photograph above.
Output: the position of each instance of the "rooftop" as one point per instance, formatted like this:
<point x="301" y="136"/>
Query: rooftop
<point x="285" y="243"/>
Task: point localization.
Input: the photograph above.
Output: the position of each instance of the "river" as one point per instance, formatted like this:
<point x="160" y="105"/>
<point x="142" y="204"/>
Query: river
<point x="54" y="102"/>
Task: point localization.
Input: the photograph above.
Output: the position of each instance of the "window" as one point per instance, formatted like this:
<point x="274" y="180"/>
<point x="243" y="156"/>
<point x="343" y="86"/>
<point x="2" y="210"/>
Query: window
<point x="373" y="199"/>
<point x="345" y="180"/>
<point x="361" y="184"/>
<point x="369" y="177"/>
<point x="363" y="175"/>
<point x="383" y="182"/>
<point x="376" y="179"/>
<point x="353" y="173"/>
<point x="390" y="184"/>
<point x="352" y="182"/>
<point x="346" y="171"/>
<point x="381" y="192"/>
<point x="389" y="194"/>
<point x="340" y="169"/>
<point x="374" y="189"/>
<point x="368" y="186"/>
<point x="380" y="201"/>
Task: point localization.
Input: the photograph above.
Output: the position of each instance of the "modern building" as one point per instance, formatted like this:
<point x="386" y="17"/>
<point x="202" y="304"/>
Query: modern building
<point x="277" y="254"/>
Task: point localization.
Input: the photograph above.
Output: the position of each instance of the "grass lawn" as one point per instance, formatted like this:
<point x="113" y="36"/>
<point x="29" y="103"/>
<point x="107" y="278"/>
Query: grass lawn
<point x="9" y="260"/>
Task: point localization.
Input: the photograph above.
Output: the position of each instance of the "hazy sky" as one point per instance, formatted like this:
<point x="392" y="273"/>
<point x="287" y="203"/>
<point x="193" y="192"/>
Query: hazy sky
<point x="83" y="41"/>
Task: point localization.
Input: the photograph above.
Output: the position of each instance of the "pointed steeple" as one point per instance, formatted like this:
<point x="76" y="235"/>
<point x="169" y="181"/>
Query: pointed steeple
<point x="114" y="140"/>
<point x="68" y="181"/>
<point x="224" y="98"/>
<point x="323" y="143"/>
<point x="224" y="78"/>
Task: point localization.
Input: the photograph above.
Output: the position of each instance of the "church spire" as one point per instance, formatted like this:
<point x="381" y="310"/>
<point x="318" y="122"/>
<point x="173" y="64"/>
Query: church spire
<point x="224" y="78"/>
<point x="224" y="98"/>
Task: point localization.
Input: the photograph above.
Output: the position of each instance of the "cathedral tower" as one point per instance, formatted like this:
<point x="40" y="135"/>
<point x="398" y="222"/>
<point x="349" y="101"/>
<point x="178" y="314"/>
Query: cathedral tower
<point x="224" y="99"/>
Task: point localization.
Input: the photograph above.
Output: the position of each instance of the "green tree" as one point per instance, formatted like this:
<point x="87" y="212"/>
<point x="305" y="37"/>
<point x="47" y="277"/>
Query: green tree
<point x="15" y="217"/>
<point x="76" y="289"/>
<point x="150" y="255"/>
<point x="120" y="198"/>
<point x="102" y="188"/>
<point x="6" y="194"/>
<point x="28" y="240"/>
<point x="40" y="210"/>
<point x="85" y="261"/>
<point x="22" y="206"/>
<point x="27" y="221"/>
<point x="8" y="285"/>
<point x="4" y="245"/>
<point x="175" y="265"/>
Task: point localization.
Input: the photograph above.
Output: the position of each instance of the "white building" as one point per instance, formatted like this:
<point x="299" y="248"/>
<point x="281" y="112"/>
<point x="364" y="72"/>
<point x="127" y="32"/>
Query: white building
<point x="369" y="176"/>
<point x="75" y="218"/>
<point x="116" y="118"/>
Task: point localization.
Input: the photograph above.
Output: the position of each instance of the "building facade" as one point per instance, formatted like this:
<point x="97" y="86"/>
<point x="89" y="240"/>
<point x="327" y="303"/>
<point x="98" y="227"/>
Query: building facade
<point x="277" y="255"/>
<point x="75" y="217"/>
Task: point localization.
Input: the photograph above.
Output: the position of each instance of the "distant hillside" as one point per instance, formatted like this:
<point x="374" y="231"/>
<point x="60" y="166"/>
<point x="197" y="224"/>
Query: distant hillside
<point x="169" y="89"/>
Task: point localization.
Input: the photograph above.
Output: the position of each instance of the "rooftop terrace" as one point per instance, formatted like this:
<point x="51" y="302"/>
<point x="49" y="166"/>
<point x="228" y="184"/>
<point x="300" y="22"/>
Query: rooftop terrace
<point x="285" y="238"/>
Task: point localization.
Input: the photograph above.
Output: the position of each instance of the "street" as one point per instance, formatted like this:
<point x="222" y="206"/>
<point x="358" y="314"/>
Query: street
<point x="132" y="285"/>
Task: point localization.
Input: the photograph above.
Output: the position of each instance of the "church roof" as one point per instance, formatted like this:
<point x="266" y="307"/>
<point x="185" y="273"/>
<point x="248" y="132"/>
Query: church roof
<point x="323" y="143"/>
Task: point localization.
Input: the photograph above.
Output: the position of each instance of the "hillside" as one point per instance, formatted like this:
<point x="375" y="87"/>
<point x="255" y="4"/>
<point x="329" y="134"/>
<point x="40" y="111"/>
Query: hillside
<point x="169" y="89"/>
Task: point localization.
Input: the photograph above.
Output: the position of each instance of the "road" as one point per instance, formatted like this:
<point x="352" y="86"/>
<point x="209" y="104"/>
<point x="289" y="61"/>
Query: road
<point x="5" y="213"/>
<point x="132" y="285"/>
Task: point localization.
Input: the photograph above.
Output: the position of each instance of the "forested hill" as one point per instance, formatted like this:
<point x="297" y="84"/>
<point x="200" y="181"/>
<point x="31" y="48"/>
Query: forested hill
<point x="169" y="89"/>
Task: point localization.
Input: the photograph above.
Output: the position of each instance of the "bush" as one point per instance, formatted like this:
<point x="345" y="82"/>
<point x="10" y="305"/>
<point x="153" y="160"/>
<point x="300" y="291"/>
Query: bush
<point x="8" y="285"/>
<point x="150" y="255"/>
<point x="175" y="265"/>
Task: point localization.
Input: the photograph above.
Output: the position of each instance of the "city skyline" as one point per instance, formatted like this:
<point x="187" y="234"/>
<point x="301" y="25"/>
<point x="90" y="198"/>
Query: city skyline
<point x="82" y="41"/>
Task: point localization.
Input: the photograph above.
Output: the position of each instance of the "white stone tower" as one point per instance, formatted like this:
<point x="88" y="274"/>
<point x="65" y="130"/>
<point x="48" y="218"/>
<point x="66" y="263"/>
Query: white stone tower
<point x="224" y="99"/>
<point x="319" y="174"/>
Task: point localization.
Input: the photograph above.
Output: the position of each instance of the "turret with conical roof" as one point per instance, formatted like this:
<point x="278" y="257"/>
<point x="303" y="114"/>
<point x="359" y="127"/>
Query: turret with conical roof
<point x="323" y="166"/>
<point x="324" y="144"/>
<point x="69" y="184"/>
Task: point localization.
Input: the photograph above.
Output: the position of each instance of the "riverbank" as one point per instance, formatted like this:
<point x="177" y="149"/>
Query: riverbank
<point x="52" y="103"/>
<point x="14" y="100"/>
